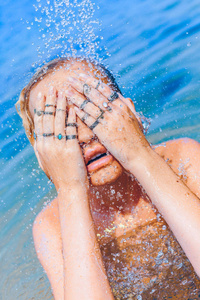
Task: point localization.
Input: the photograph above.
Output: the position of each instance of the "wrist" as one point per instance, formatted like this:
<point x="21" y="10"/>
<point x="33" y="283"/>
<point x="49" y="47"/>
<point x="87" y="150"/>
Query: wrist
<point x="142" y="162"/>
<point x="68" y="193"/>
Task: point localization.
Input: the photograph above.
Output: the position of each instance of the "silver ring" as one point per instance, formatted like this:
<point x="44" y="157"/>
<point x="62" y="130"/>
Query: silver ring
<point x="60" y="109"/>
<point x="113" y="97"/>
<point x="71" y="137"/>
<point x="38" y="112"/>
<point x="48" y="134"/>
<point x="85" y="102"/>
<point x="101" y="115"/>
<point x="84" y="117"/>
<point x="98" y="84"/>
<point x="86" y="88"/>
<point x="49" y="113"/>
<point x="50" y="105"/>
<point x="60" y="136"/>
<point x="94" y="124"/>
<point x="72" y="125"/>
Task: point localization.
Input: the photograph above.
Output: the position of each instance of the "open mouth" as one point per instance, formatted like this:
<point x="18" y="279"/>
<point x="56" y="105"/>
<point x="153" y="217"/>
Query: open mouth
<point x="96" y="157"/>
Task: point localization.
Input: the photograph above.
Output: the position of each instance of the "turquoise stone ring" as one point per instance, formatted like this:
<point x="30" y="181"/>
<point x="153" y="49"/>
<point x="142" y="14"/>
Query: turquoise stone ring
<point x="60" y="136"/>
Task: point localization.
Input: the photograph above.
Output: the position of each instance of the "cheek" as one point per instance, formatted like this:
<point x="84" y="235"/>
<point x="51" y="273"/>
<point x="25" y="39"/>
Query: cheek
<point x="106" y="175"/>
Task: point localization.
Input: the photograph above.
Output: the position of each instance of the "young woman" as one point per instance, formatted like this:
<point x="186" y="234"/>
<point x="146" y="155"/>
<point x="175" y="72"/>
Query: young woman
<point x="107" y="233"/>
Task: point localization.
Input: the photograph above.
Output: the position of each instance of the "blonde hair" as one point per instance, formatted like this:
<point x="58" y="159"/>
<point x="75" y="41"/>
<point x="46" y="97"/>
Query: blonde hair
<point x="23" y="102"/>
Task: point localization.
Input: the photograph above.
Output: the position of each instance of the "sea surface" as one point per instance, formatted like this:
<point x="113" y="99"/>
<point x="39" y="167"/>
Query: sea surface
<point x="153" y="49"/>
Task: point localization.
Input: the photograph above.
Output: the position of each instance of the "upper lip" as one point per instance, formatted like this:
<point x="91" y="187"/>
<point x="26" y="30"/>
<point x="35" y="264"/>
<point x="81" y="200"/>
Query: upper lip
<point x="89" y="153"/>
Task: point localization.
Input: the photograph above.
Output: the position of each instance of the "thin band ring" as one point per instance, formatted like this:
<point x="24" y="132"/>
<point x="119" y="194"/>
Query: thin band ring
<point x="38" y="112"/>
<point x="101" y="115"/>
<point x="113" y="97"/>
<point x="86" y="88"/>
<point x="48" y="134"/>
<point x="94" y="124"/>
<point x="48" y="113"/>
<point x="98" y="84"/>
<point x="84" y="117"/>
<point x="50" y="105"/>
<point x="71" y="137"/>
<point x="84" y="103"/>
<point x="72" y="125"/>
<point x="60" y="109"/>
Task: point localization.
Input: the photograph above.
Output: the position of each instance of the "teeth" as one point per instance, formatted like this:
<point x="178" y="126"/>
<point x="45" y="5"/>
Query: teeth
<point x="96" y="157"/>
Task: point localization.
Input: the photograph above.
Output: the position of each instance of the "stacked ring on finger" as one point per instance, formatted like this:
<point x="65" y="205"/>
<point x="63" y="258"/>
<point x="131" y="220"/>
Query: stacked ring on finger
<point x="113" y="97"/>
<point x="85" y="102"/>
<point x="47" y="134"/>
<point x="105" y="104"/>
<point x="98" y="84"/>
<point x="84" y="117"/>
<point x="60" y="136"/>
<point x="50" y="105"/>
<point x="72" y="125"/>
<point x="101" y="116"/>
<point x="60" y="109"/>
<point x="49" y="113"/>
<point x="38" y="112"/>
<point x="71" y="137"/>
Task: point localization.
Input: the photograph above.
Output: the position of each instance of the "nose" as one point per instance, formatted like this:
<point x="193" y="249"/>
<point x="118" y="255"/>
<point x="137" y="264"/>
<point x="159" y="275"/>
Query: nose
<point x="85" y="134"/>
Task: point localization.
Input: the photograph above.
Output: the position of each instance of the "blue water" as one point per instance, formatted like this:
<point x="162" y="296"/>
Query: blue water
<point x="153" y="47"/>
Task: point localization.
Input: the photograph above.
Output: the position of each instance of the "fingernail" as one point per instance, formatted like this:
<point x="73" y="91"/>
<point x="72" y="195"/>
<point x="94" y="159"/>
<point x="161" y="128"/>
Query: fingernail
<point x="39" y="95"/>
<point x="71" y="111"/>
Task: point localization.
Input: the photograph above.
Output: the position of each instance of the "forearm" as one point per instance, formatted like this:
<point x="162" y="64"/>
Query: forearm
<point x="84" y="273"/>
<point x="174" y="200"/>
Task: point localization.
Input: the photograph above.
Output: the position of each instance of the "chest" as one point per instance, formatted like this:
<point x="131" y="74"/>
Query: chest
<point x="149" y="262"/>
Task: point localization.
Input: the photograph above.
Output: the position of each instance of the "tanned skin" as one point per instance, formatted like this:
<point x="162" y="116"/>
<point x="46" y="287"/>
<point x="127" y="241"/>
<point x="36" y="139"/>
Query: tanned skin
<point x="69" y="231"/>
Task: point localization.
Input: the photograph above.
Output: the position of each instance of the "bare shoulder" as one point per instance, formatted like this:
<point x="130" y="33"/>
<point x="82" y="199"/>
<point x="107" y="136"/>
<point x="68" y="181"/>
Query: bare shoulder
<point x="46" y="232"/>
<point x="183" y="156"/>
<point x="47" y="220"/>
<point x="48" y="245"/>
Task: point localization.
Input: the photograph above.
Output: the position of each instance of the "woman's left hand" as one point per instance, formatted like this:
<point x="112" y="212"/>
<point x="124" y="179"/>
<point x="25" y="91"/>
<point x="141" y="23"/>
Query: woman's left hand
<point x="111" y="117"/>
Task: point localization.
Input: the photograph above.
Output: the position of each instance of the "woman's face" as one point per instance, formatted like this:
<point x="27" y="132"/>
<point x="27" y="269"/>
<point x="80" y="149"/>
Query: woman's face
<point x="101" y="166"/>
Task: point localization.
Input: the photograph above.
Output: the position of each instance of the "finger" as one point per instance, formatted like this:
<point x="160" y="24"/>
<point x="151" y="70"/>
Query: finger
<point x="91" y="122"/>
<point x="101" y="87"/>
<point x="84" y="104"/>
<point x="93" y="94"/>
<point x="60" y="117"/>
<point x="38" y="115"/>
<point x="48" y="118"/>
<point x="71" y="128"/>
<point x="129" y="103"/>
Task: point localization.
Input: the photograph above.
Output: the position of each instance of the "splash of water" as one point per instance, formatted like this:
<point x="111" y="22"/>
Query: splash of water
<point x="66" y="28"/>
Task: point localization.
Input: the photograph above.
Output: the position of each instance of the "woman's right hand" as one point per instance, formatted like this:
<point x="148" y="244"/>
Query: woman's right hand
<point x="59" y="158"/>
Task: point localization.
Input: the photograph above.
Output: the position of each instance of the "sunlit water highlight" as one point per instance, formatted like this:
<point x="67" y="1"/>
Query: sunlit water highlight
<point x="152" y="47"/>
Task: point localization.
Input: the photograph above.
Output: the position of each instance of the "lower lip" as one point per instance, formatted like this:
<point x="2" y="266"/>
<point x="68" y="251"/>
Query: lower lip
<point x="100" y="163"/>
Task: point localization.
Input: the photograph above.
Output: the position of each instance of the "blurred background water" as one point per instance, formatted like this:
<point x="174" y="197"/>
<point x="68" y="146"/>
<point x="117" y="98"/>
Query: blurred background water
<point x="151" y="46"/>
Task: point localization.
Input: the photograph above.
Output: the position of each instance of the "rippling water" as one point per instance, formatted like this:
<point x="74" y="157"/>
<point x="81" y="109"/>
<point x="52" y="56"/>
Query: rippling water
<point x="152" y="48"/>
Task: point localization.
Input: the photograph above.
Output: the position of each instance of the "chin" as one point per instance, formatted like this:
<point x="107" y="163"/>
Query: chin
<point x="107" y="174"/>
